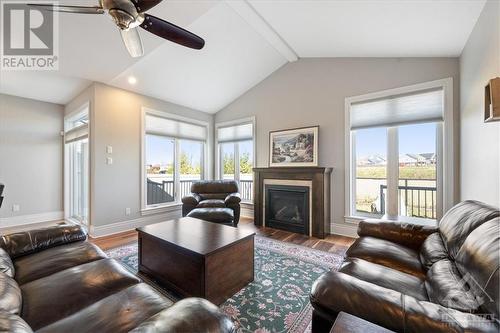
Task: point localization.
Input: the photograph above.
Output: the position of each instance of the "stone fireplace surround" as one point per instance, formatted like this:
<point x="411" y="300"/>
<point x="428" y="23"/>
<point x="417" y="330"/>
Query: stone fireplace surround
<point x="318" y="181"/>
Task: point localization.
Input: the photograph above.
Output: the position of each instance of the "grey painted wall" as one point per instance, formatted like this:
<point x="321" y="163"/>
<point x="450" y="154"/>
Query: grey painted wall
<point x="313" y="92"/>
<point x="116" y="121"/>
<point x="31" y="156"/>
<point x="480" y="142"/>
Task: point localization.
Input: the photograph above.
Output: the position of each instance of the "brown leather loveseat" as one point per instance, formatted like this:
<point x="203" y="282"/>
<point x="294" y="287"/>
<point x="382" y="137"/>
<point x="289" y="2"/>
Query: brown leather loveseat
<point x="53" y="280"/>
<point x="419" y="277"/>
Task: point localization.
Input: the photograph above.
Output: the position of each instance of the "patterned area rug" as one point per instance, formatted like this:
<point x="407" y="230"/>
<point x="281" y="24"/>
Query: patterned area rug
<point x="278" y="298"/>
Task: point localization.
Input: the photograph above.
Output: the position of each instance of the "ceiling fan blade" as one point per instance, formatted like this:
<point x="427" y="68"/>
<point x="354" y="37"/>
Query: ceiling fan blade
<point x="132" y="42"/>
<point x="69" y="9"/>
<point x="172" y="32"/>
<point x="145" y="5"/>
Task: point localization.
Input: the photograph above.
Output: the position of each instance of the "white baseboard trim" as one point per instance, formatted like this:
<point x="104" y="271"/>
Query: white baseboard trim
<point x="23" y="220"/>
<point x="115" y="228"/>
<point x="344" y="230"/>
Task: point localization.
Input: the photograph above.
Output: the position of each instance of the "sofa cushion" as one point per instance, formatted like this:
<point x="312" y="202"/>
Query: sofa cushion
<point x="50" y="261"/>
<point x="461" y="220"/>
<point x="432" y="250"/>
<point x="214" y="186"/>
<point x="59" y="295"/>
<point x="211" y="203"/>
<point x="479" y="262"/>
<point x="128" y="308"/>
<point x="6" y="265"/>
<point x="31" y="241"/>
<point x="13" y="323"/>
<point x="387" y="253"/>
<point x="446" y="286"/>
<point x="10" y="295"/>
<point x="385" y="277"/>
<point x="188" y="315"/>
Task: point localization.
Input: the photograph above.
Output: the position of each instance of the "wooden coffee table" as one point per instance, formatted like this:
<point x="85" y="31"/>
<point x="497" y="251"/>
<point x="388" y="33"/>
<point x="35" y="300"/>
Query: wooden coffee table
<point x="197" y="258"/>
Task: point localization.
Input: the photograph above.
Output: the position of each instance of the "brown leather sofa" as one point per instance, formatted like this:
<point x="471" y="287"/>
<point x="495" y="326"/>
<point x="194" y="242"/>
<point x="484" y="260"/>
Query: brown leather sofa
<point x="419" y="277"/>
<point x="213" y="200"/>
<point x="53" y="280"/>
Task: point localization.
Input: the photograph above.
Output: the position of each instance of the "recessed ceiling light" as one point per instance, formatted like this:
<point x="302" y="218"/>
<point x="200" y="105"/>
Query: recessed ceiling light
<point x="132" y="80"/>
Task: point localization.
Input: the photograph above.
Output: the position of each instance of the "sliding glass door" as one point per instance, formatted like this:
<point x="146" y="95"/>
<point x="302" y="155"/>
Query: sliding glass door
<point x="76" y="166"/>
<point x="79" y="180"/>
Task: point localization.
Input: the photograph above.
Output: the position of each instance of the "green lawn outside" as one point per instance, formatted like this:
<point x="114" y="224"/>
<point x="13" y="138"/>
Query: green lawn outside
<point x="409" y="172"/>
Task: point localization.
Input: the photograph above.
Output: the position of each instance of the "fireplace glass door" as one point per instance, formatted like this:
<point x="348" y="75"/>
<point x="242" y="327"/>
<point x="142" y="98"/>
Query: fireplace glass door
<point x="287" y="208"/>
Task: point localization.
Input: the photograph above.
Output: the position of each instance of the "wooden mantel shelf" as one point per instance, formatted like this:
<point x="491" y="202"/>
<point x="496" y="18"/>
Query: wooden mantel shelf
<point x="320" y="192"/>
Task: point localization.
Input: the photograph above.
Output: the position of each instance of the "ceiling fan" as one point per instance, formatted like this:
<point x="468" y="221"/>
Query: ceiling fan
<point x="128" y="15"/>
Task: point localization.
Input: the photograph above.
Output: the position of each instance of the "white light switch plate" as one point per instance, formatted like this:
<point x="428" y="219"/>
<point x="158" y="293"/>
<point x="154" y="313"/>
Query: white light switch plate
<point x="109" y="160"/>
<point x="16" y="208"/>
<point x="109" y="149"/>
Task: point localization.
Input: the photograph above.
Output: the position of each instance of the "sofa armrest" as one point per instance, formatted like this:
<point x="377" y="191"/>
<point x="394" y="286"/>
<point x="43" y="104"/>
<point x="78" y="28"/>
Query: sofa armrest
<point x="192" y="199"/>
<point x="23" y="243"/>
<point x="408" y="234"/>
<point x="188" y="315"/>
<point x="232" y="199"/>
<point x="334" y="292"/>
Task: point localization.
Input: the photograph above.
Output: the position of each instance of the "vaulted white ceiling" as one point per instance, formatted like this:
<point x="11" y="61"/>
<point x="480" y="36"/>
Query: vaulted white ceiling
<point x="246" y="41"/>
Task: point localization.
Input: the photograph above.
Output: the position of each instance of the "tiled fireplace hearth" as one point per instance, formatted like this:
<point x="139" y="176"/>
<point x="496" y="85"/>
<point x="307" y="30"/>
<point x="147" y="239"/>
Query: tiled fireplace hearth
<point x="293" y="199"/>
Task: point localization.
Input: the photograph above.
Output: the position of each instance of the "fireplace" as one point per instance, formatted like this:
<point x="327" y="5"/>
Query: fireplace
<point x="287" y="208"/>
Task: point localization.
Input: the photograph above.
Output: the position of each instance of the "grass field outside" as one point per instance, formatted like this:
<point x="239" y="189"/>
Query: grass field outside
<point x="405" y="172"/>
<point x="415" y="199"/>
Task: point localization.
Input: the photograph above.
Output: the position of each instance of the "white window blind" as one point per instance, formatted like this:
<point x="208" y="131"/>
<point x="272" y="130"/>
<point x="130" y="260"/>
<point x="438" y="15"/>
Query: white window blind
<point x="239" y="132"/>
<point x="423" y="106"/>
<point x="78" y="133"/>
<point x="175" y="128"/>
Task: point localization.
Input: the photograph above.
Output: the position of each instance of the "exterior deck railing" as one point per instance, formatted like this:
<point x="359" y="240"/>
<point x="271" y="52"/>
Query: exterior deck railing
<point x="414" y="200"/>
<point x="164" y="192"/>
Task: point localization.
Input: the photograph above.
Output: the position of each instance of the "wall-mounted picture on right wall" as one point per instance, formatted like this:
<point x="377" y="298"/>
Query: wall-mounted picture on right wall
<point x="296" y="147"/>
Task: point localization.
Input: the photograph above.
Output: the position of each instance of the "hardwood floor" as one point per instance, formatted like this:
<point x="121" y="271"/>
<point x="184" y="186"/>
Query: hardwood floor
<point x="332" y="243"/>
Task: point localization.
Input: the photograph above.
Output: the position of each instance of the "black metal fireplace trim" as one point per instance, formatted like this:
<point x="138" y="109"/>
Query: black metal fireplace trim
<point x="272" y="223"/>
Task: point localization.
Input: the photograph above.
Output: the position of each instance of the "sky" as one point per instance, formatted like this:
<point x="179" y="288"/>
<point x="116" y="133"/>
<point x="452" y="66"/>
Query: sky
<point x="160" y="150"/>
<point x="415" y="138"/>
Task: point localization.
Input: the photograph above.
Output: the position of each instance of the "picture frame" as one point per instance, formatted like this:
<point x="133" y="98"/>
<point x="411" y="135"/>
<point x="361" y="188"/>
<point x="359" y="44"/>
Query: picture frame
<point x="295" y="147"/>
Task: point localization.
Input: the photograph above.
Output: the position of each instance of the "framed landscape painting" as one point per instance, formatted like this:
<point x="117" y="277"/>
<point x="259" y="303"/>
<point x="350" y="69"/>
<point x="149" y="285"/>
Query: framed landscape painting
<point x="296" y="147"/>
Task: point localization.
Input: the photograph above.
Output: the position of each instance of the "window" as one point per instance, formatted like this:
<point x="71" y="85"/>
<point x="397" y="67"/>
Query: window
<point x="160" y="156"/>
<point x="236" y="154"/>
<point x="396" y="151"/>
<point x="76" y="165"/>
<point x="371" y="170"/>
<point x="174" y="157"/>
<point x="417" y="189"/>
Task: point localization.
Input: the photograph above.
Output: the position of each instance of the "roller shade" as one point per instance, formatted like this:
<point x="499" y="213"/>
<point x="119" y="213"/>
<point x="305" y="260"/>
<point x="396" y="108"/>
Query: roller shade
<point x="423" y="106"/>
<point x="235" y="133"/>
<point x="175" y="128"/>
<point x="78" y="133"/>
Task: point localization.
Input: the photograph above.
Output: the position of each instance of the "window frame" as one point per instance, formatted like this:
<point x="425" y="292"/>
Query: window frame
<point x="445" y="174"/>
<point x="82" y="111"/>
<point x="168" y="206"/>
<point x="218" y="146"/>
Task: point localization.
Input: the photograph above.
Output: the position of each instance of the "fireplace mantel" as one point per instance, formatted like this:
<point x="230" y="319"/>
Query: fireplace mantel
<point x="320" y="193"/>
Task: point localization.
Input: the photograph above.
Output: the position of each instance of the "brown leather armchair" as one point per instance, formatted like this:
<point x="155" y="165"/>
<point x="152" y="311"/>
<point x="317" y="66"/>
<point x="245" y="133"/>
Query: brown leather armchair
<point x="53" y="280"/>
<point x="419" y="277"/>
<point x="213" y="200"/>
